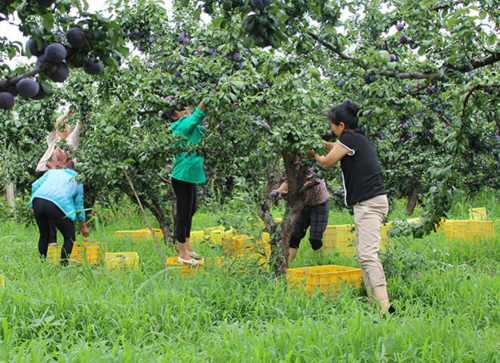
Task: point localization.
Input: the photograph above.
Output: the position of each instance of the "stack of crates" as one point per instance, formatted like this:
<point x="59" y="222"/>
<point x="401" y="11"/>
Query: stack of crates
<point x="327" y="279"/>
<point x="128" y="261"/>
<point x="140" y="234"/>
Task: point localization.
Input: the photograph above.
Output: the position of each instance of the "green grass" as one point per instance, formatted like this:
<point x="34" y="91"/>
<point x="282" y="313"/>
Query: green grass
<point x="447" y="294"/>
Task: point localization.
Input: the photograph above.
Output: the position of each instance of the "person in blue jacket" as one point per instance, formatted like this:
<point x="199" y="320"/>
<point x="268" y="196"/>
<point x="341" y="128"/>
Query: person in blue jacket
<point x="57" y="197"/>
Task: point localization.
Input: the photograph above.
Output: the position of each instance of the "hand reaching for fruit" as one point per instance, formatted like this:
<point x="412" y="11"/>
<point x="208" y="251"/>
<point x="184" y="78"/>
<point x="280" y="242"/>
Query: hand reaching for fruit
<point x="278" y="194"/>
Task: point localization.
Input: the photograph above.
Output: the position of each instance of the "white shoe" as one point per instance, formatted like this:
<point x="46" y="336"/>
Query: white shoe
<point x="191" y="262"/>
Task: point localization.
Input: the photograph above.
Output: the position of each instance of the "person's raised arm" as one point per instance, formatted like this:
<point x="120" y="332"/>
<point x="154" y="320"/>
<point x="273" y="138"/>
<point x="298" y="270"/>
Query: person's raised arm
<point x="202" y="107"/>
<point x="333" y="157"/>
<point x="63" y="117"/>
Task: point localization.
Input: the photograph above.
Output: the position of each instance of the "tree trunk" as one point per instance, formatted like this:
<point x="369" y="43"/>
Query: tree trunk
<point x="281" y="233"/>
<point x="10" y="195"/>
<point x="412" y="200"/>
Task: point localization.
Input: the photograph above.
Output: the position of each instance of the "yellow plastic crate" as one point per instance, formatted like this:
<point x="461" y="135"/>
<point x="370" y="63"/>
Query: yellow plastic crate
<point x="139" y="234"/>
<point x="209" y="230"/>
<point x="87" y="251"/>
<point x="340" y="238"/>
<point x="243" y="243"/>
<point x="479" y="214"/>
<point x="196" y="236"/>
<point x="122" y="261"/>
<point x="327" y="279"/>
<point x="54" y="255"/>
<point x="468" y="229"/>
<point x="2" y="281"/>
<point x="185" y="270"/>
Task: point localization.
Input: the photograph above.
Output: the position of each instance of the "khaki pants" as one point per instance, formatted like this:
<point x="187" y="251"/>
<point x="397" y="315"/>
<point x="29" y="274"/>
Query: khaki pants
<point x="368" y="218"/>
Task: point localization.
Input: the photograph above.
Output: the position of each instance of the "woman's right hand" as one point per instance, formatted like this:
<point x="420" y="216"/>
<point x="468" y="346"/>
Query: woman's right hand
<point x="328" y="145"/>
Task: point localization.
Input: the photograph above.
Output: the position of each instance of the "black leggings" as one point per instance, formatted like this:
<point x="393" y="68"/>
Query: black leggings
<point x="46" y="212"/>
<point x="185" y="195"/>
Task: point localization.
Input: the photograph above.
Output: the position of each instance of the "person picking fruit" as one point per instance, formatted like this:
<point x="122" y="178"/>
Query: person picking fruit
<point x="364" y="191"/>
<point x="55" y="157"/>
<point x="56" y="197"/>
<point x="314" y="214"/>
<point x="187" y="173"/>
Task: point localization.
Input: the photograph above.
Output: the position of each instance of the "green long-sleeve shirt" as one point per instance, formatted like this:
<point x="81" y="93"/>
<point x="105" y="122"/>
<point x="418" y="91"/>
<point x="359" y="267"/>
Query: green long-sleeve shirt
<point x="188" y="167"/>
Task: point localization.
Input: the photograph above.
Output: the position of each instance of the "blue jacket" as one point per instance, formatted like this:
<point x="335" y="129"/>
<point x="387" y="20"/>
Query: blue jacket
<point x="59" y="186"/>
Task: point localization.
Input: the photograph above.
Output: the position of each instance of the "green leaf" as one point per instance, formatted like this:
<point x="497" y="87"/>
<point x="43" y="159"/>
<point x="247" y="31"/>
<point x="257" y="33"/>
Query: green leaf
<point x="314" y="72"/>
<point x="445" y="95"/>
<point x="48" y="21"/>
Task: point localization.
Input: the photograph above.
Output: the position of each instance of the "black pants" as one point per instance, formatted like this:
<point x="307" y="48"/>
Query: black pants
<point x="46" y="212"/>
<point x="53" y="232"/>
<point x="185" y="195"/>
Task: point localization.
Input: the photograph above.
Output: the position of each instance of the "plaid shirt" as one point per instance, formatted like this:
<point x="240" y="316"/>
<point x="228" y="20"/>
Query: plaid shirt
<point x="317" y="194"/>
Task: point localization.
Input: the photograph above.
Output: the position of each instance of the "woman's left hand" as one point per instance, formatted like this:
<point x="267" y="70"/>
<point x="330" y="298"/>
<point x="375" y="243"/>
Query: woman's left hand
<point x="84" y="231"/>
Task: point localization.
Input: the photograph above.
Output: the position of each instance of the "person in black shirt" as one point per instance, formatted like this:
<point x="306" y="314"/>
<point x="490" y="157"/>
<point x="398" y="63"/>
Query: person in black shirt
<point x="364" y="191"/>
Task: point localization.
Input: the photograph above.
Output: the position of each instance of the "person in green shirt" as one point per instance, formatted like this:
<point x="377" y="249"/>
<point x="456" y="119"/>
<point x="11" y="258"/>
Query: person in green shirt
<point x="187" y="173"/>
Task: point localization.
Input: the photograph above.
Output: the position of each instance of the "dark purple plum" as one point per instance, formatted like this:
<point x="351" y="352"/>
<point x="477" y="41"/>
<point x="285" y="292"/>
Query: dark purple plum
<point x="61" y="73"/>
<point x="27" y="88"/>
<point x="93" y="67"/>
<point x="6" y="101"/>
<point x="40" y="95"/>
<point x="76" y="37"/>
<point x="55" y="53"/>
<point x="32" y="46"/>
<point x="236" y="56"/>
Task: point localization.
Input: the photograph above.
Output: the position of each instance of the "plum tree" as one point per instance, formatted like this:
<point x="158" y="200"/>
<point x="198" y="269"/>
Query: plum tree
<point x="76" y="37"/>
<point x="42" y="21"/>
<point x="27" y="88"/>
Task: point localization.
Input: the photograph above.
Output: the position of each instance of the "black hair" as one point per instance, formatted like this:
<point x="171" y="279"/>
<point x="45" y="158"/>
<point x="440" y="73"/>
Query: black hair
<point x="348" y="114"/>
<point x="167" y="115"/>
<point x="71" y="165"/>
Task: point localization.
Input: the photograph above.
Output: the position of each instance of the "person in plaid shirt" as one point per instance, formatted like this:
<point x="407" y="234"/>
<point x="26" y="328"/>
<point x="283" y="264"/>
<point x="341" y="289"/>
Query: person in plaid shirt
<point x="314" y="214"/>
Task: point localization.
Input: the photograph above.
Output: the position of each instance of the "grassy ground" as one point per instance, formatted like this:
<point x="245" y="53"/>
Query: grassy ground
<point x="447" y="294"/>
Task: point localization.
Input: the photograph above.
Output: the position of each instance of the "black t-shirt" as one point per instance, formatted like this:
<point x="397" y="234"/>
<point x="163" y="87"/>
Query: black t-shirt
<point x="360" y="168"/>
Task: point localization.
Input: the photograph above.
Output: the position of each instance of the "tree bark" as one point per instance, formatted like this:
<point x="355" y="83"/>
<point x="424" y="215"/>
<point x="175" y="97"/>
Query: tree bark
<point x="280" y="233"/>
<point x="412" y="200"/>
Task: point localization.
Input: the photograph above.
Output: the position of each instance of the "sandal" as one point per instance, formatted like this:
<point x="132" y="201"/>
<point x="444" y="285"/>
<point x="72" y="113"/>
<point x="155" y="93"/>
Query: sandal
<point x="194" y="255"/>
<point x="191" y="262"/>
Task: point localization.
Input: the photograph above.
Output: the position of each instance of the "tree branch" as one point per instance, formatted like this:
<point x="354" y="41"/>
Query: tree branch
<point x="474" y="64"/>
<point x="471" y="91"/>
<point x="31" y="73"/>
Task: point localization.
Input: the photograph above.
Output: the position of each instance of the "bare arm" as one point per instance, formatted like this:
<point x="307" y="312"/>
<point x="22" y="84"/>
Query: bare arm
<point x="333" y="157"/>
<point x="63" y="118"/>
<point x="202" y="107"/>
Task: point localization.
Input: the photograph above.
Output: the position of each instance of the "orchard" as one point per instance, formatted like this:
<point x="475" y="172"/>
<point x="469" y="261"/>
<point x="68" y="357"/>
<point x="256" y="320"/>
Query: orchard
<point x="425" y="76"/>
